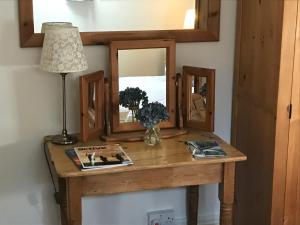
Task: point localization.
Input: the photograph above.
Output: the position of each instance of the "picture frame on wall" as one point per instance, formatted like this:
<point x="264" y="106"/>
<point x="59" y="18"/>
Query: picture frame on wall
<point x="91" y="105"/>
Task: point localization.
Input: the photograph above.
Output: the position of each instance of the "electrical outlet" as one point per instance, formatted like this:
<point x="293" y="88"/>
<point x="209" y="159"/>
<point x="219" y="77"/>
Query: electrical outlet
<point x="161" y="217"/>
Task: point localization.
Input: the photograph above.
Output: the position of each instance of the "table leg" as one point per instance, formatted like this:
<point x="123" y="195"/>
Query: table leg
<point x="192" y="204"/>
<point x="226" y="194"/>
<point x="70" y="191"/>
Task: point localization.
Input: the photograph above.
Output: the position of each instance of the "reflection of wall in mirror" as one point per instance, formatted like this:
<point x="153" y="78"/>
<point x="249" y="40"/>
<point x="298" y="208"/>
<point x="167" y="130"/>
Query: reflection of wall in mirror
<point x="92" y="104"/>
<point x="103" y="15"/>
<point x="142" y="62"/>
<point x="198" y="100"/>
<point x="198" y="108"/>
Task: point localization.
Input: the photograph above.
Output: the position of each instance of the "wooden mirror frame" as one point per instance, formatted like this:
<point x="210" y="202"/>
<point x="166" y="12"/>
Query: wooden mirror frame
<point x="86" y="132"/>
<point x="170" y="47"/>
<point x="188" y="73"/>
<point x="207" y="28"/>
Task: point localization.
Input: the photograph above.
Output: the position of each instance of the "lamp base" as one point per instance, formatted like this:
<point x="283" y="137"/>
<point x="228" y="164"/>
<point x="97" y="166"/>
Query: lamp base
<point x="64" y="139"/>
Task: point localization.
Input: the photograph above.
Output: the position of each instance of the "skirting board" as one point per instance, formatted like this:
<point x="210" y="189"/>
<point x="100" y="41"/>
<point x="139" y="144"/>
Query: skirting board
<point x="212" y="219"/>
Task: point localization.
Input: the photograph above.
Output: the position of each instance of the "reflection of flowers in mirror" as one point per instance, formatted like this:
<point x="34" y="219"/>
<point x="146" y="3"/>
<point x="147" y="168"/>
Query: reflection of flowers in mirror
<point x="203" y="90"/>
<point x="132" y="98"/>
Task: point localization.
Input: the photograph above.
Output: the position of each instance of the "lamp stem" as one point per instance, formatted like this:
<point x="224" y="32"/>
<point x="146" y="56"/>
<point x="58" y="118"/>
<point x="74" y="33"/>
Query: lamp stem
<point x="64" y="130"/>
<point x="64" y="138"/>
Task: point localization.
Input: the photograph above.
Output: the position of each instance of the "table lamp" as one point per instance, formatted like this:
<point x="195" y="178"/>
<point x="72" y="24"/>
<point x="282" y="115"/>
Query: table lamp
<point x="63" y="53"/>
<point x="47" y="25"/>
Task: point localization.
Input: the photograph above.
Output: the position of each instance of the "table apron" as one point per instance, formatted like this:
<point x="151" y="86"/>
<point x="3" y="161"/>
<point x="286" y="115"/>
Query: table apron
<point x="150" y="179"/>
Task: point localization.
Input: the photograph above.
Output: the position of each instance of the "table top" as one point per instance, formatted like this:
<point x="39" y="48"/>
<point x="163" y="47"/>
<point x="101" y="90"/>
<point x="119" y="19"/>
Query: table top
<point x="170" y="152"/>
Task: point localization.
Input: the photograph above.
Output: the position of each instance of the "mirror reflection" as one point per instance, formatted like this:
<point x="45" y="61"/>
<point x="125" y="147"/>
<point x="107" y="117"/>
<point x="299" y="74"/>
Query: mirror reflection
<point x="142" y="79"/>
<point x="92" y="104"/>
<point x="116" y="15"/>
<point x="198" y="104"/>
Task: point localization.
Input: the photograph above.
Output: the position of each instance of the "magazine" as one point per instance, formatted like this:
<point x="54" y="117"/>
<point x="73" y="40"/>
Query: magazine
<point x="72" y="155"/>
<point x="99" y="157"/>
<point x="201" y="149"/>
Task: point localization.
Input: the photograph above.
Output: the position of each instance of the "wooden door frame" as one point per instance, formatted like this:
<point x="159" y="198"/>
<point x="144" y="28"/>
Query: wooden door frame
<point x="281" y="117"/>
<point x="283" y="121"/>
<point x="292" y="198"/>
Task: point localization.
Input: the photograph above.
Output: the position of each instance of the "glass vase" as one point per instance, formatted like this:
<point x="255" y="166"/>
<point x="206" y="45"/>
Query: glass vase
<point x="134" y="110"/>
<point x="152" y="135"/>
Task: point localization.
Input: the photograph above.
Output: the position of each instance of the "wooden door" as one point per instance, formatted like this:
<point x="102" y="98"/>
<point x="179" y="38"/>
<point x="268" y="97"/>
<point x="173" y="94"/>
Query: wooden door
<point x="292" y="198"/>
<point x="263" y="74"/>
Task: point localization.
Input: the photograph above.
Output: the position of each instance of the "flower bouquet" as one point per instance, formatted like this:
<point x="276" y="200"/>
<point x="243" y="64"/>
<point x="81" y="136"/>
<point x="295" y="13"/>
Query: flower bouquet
<point x="150" y="116"/>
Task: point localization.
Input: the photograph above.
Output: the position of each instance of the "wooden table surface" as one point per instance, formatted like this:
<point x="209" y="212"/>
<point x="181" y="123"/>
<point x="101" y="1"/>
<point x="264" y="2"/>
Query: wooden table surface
<point x="170" y="162"/>
<point x="170" y="153"/>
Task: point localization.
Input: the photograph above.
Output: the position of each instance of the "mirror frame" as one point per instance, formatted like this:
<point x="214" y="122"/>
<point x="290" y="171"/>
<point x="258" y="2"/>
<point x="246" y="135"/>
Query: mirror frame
<point x="86" y="132"/>
<point x="207" y="28"/>
<point x="188" y="73"/>
<point x="170" y="46"/>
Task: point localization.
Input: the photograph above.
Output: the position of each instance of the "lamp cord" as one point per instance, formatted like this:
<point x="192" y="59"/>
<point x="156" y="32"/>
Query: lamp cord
<point x="49" y="168"/>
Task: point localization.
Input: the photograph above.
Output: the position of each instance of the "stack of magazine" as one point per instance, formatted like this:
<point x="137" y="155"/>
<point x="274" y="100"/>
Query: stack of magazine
<point x="99" y="157"/>
<point x="202" y="149"/>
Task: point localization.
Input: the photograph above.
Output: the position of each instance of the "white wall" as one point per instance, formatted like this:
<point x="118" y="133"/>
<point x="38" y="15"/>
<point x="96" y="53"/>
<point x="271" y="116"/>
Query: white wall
<point x="30" y="102"/>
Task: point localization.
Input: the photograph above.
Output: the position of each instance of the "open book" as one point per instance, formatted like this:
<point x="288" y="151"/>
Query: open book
<point x="99" y="157"/>
<point x="201" y="149"/>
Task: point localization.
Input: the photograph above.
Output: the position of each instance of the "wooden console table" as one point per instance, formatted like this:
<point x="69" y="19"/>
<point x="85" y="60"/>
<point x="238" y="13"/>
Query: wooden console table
<point x="169" y="163"/>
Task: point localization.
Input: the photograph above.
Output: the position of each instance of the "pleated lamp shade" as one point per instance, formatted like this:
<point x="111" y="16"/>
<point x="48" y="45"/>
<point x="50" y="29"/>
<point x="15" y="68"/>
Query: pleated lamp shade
<point x="63" y="51"/>
<point x="55" y="24"/>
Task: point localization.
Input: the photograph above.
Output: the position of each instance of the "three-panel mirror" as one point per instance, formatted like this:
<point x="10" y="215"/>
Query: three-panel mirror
<point x="198" y="97"/>
<point x="141" y="72"/>
<point x="144" y="69"/>
<point x="91" y="105"/>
